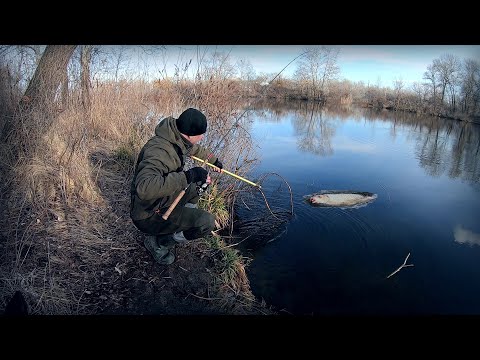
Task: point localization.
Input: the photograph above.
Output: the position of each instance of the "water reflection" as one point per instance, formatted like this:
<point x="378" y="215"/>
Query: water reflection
<point x="336" y="260"/>
<point x="451" y="148"/>
<point x="465" y="236"/>
<point x="442" y="146"/>
<point x="314" y="130"/>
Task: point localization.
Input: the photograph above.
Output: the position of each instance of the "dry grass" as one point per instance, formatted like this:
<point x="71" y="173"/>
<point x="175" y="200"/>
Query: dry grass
<point x="231" y="286"/>
<point x="215" y="204"/>
<point x="66" y="235"/>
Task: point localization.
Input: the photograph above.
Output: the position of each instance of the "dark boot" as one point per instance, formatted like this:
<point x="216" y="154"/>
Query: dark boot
<point x="162" y="254"/>
<point x="179" y="237"/>
<point x="166" y="240"/>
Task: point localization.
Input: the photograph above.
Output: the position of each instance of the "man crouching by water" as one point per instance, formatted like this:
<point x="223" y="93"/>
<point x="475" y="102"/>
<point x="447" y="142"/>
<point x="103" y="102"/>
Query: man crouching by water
<point x="159" y="178"/>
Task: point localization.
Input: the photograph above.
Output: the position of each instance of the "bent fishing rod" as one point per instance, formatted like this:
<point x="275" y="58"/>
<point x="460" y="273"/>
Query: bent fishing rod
<point x="227" y="172"/>
<point x="182" y="193"/>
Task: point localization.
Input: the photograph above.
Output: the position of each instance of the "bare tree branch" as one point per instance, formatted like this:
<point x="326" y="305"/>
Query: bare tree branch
<point x="402" y="266"/>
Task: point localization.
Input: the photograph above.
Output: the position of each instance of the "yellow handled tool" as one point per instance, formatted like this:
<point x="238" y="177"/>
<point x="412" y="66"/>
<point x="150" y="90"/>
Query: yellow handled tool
<point x="228" y="172"/>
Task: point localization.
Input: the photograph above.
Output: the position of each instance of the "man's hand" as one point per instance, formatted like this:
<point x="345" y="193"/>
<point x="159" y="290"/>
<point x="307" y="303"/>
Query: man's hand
<point x="219" y="166"/>
<point x="196" y="174"/>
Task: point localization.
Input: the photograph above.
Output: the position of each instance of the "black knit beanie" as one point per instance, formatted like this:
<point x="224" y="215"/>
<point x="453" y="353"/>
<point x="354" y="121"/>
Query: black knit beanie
<point x="192" y="122"/>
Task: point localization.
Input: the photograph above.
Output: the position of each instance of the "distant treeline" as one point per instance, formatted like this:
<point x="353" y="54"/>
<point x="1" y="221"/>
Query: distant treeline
<point x="449" y="89"/>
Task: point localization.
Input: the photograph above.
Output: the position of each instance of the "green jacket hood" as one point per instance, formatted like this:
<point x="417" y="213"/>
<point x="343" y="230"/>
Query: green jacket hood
<point x="167" y="129"/>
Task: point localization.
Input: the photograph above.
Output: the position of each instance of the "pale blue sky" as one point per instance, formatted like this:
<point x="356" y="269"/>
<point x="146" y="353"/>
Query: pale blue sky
<point x="369" y="63"/>
<point x="374" y="64"/>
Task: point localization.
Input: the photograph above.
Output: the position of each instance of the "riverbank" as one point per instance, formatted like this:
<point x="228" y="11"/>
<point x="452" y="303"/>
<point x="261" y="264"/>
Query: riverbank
<point x="207" y="277"/>
<point x="94" y="262"/>
<point x="459" y="116"/>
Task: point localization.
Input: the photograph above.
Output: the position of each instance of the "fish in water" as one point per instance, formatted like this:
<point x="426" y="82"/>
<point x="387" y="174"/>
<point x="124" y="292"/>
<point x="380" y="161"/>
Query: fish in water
<point x="340" y="198"/>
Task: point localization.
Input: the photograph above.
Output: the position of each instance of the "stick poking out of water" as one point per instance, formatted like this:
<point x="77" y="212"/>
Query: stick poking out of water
<point x="403" y="265"/>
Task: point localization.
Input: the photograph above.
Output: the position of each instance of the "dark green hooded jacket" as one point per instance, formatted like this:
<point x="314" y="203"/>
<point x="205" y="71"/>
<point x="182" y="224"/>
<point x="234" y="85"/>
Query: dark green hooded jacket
<point x="159" y="175"/>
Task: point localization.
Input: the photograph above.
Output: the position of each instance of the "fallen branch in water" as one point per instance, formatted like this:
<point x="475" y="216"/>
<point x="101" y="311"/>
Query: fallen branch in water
<point x="235" y="243"/>
<point x="403" y="265"/>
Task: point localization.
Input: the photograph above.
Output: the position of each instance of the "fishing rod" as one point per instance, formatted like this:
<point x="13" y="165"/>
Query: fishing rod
<point x="228" y="172"/>
<point x="182" y="193"/>
<point x="238" y="119"/>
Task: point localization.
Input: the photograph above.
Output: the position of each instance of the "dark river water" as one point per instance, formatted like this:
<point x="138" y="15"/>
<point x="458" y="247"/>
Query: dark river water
<point x="331" y="261"/>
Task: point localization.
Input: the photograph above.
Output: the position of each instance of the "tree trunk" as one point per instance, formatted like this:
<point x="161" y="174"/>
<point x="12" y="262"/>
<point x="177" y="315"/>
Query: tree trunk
<point x="38" y="53"/>
<point x="85" y="59"/>
<point x="65" y="89"/>
<point x="38" y="100"/>
<point x="42" y="89"/>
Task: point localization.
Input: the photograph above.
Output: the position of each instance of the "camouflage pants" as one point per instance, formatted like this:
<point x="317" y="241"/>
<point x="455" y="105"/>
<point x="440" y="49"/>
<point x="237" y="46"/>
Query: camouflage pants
<point x="194" y="223"/>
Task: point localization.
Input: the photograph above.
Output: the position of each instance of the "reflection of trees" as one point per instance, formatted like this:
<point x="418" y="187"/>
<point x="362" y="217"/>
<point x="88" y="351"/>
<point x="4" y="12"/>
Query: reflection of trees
<point x="443" y="146"/>
<point x="432" y="149"/>
<point x="450" y="147"/>
<point x="465" y="151"/>
<point x="314" y="129"/>
<point x="272" y="110"/>
<point x="311" y="121"/>
<point x="283" y="107"/>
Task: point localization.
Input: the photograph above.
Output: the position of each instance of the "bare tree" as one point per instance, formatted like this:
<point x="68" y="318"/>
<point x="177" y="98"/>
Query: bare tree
<point x="317" y="68"/>
<point x="119" y="59"/>
<point x="330" y="68"/>
<point x="453" y="88"/>
<point x="85" y="59"/>
<point x="245" y="69"/>
<point x="50" y="71"/>
<point x="21" y="61"/>
<point x="219" y="66"/>
<point x="420" y="91"/>
<point x="397" y="88"/>
<point x="446" y="67"/>
<point x="246" y="73"/>
<point x="307" y="71"/>
<point x="470" y="89"/>
<point x="431" y="76"/>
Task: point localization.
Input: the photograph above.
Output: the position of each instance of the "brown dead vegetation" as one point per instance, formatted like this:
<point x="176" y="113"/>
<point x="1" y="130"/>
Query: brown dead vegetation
<point x="67" y="240"/>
